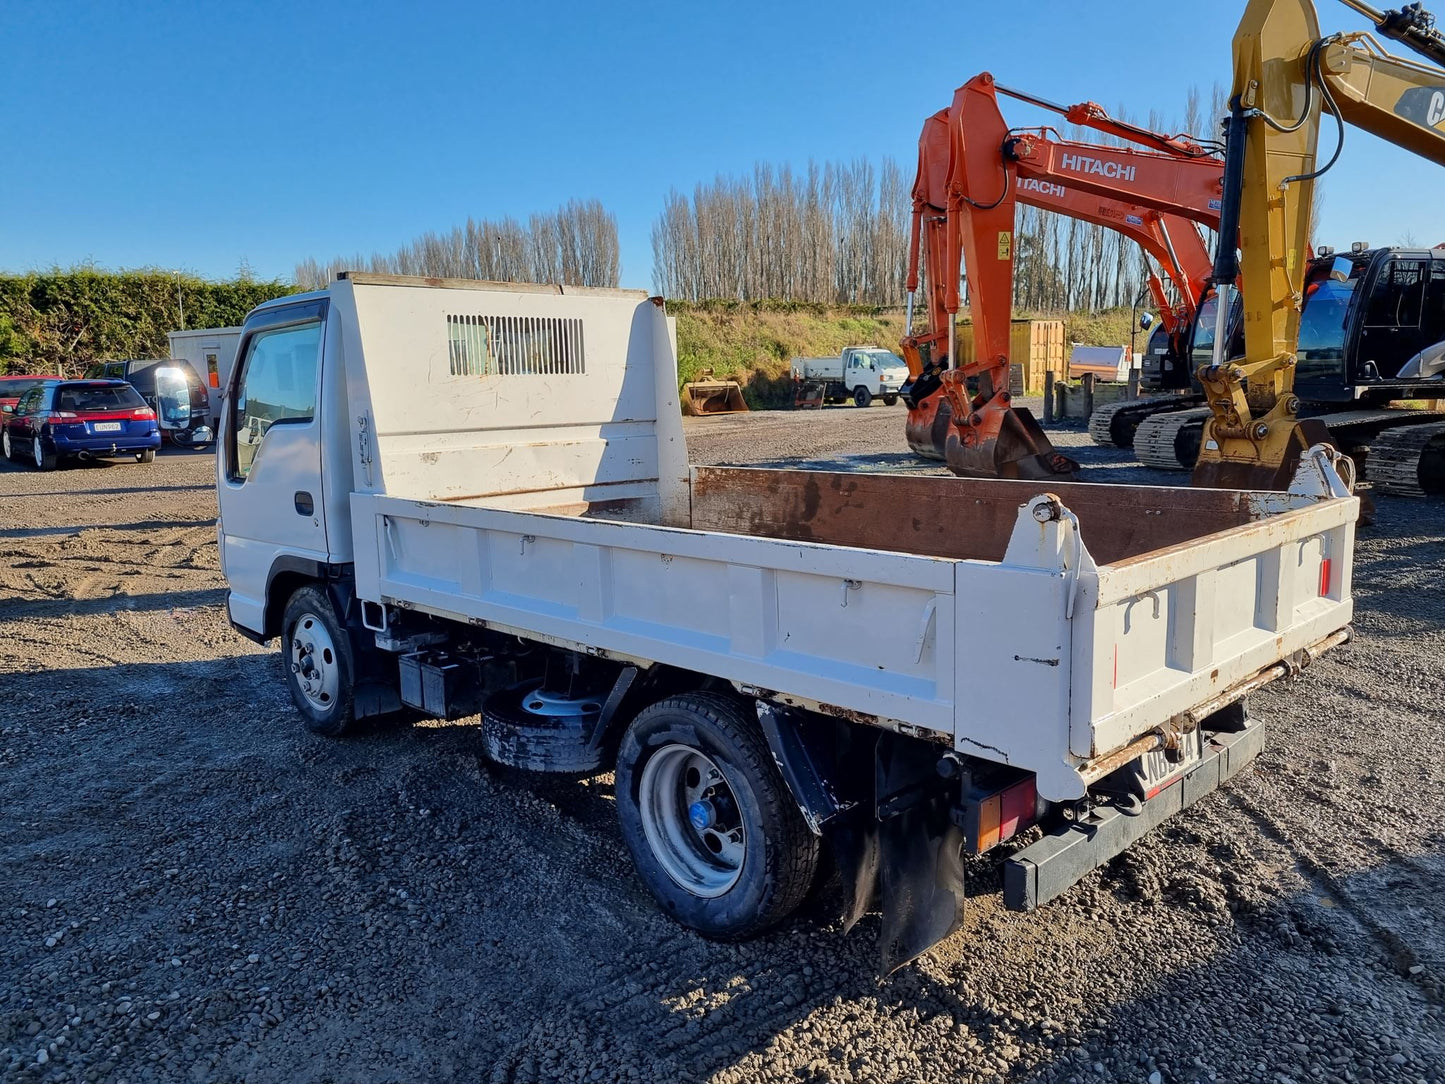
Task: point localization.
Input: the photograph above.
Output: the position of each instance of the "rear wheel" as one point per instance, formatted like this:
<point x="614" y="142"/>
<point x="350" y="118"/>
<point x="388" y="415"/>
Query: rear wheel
<point x="862" y="396"/>
<point x="42" y="459"/>
<point x="5" y="442"/>
<point x="320" y="665"/>
<point x="146" y="456"/>
<point x="711" y="827"/>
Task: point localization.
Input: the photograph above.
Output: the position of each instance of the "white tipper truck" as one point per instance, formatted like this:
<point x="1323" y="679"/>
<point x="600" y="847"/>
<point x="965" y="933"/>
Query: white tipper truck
<point x="860" y="373"/>
<point x="470" y="499"/>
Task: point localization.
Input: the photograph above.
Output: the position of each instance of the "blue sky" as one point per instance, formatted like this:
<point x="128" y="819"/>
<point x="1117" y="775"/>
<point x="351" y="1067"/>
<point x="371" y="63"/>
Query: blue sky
<point x="198" y="136"/>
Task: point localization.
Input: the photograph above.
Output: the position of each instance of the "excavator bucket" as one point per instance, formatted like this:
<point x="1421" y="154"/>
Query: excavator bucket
<point x="1221" y="467"/>
<point x="928" y="426"/>
<point x="712" y="396"/>
<point x="1021" y="450"/>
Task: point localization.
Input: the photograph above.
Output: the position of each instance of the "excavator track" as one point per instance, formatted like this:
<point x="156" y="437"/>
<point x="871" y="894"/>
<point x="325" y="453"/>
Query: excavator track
<point x="1170" y="441"/>
<point x="1408" y="462"/>
<point x="1115" y="424"/>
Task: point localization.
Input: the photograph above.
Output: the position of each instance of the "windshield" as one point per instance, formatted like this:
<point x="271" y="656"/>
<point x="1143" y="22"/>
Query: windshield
<point x="1322" y="329"/>
<point x="12" y="387"/>
<point x="1201" y="350"/>
<point x="105" y="397"/>
<point x="883" y="360"/>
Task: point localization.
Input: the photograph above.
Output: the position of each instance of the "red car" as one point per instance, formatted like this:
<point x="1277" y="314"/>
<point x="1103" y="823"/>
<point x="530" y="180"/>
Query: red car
<point x="12" y="387"/>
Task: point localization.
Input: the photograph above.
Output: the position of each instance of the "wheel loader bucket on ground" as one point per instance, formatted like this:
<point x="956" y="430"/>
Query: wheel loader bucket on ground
<point x="709" y="395"/>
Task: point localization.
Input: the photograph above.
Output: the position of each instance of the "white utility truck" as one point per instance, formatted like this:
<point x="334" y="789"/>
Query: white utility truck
<point x="474" y="499"/>
<point x="860" y="373"/>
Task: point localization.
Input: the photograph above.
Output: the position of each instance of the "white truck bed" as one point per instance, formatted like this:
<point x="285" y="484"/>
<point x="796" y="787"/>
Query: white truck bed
<point x="980" y="652"/>
<point x="557" y="503"/>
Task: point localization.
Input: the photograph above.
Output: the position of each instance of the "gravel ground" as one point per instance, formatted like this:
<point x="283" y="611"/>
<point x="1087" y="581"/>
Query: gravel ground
<point x="191" y="888"/>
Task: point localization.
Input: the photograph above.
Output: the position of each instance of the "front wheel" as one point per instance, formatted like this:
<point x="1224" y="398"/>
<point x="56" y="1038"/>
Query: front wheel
<point x="862" y="396"/>
<point x="320" y="666"/>
<point x="711" y="827"/>
<point x="5" y="441"/>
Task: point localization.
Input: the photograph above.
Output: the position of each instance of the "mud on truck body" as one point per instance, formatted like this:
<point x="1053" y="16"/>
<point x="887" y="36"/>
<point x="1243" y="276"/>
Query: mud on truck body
<point x="467" y="499"/>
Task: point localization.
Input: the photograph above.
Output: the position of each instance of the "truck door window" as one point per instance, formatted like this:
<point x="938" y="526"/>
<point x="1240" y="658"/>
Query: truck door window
<point x="276" y="386"/>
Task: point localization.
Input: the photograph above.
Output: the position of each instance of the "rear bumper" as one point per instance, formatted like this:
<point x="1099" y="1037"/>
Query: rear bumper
<point x="1048" y="868"/>
<point x="104" y="443"/>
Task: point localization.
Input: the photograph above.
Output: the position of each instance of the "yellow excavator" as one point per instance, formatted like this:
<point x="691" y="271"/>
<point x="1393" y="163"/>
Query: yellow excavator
<point x="1286" y="75"/>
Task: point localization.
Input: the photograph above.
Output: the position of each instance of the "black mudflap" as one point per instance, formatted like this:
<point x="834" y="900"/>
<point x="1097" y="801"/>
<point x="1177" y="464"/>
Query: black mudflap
<point x="879" y="801"/>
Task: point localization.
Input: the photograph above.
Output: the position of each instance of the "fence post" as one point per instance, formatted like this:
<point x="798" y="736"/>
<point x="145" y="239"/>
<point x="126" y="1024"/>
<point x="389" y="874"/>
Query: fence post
<point x="1049" y="397"/>
<point x="1134" y="383"/>
<point x="1088" y="395"/>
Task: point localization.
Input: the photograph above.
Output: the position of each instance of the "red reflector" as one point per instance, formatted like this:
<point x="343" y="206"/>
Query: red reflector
<point x="1324" y="577"/>
<point x="1017" y="814"/>
<point x="215" y="380"/>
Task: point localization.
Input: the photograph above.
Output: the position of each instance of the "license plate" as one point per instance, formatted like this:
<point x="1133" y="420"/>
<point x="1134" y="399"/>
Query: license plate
<point x="106" y="427"/>
<point x="1160" y="768"/>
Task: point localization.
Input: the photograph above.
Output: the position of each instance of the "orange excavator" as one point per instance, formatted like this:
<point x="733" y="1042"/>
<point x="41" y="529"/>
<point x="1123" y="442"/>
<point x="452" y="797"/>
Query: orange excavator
<point x="972" y="171"/>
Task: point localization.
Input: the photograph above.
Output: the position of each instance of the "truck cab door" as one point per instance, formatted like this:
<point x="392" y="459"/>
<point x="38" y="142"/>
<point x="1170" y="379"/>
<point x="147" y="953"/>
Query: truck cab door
<point x="268" y="462"/>
<point x="859" y="370"/>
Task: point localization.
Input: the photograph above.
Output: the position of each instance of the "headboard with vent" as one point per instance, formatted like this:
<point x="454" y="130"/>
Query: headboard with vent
<point x="520" y="395"/>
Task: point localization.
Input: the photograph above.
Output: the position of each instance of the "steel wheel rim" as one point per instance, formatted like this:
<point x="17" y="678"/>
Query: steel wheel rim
<point x="36" y="452"/>
<point x="6" y="442"/>
<point x="691" y="820"/>
<point x="314" y="662"/>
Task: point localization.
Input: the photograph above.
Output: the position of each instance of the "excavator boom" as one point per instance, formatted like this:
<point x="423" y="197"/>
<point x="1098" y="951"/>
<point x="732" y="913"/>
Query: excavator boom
<point x="1285" y="75"/>
<point x="969" y="180"/>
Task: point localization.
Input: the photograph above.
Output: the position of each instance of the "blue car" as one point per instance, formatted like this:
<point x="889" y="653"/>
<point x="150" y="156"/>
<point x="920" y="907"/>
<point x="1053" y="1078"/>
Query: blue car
<point x="84" y="419"/>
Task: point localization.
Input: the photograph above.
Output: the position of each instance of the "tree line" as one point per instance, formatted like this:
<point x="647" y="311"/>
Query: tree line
<point x="576" y="245"/>
<point x="60" y="321"/>
<point x="836" y="233"/>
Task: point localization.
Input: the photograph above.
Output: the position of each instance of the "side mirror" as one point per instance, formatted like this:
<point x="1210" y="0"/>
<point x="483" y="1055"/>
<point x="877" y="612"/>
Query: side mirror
<point x="1340" y="269"/>
<point x="1146" y="321"/>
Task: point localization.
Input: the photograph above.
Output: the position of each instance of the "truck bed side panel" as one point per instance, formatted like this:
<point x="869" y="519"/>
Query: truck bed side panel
<point x="860" y="630"/>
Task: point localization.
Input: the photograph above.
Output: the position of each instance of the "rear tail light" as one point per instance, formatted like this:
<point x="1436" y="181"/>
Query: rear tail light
<point x="65" y="414"/>
<point x="1325" y="571"/>
<point x="999" y="815"/>
<point x="144" y="412"/>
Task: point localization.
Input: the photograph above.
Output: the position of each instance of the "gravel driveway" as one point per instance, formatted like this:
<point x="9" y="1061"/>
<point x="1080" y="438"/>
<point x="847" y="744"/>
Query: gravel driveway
<point x="192" y="888"/>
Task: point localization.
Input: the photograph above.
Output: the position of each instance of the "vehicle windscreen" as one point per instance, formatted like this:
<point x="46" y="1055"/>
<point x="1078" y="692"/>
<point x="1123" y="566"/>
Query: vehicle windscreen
<point x="1201" y="350"/>
<point x="111" y="397"/>
<point x="883" y="360"/>
<point x="12" y="387"/>
<point x="1322" y="329"/>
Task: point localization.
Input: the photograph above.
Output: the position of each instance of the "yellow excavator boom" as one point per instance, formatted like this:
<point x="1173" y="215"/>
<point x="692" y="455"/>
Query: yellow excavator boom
<point x="1285" y="76"/>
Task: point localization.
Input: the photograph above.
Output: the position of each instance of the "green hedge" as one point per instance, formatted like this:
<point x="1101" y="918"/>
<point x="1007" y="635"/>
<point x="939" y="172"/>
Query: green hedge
<point x="60" y="321"/>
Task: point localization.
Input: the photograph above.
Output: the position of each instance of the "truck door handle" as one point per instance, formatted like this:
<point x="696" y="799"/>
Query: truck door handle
<point x="304" y="504"/>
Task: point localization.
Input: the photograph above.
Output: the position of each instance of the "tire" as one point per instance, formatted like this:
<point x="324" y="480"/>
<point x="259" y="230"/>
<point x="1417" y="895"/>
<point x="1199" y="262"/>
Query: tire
<point x="320" y="663"/>
<point x="5" y="445"/>
<point x="890" y="400"/>
<point x="518" y="738"/>
<point x="148" y="455"/>
<point x="718" y="886"/>
<point x="42" y="459"/>
<point x="862" y="396"/>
